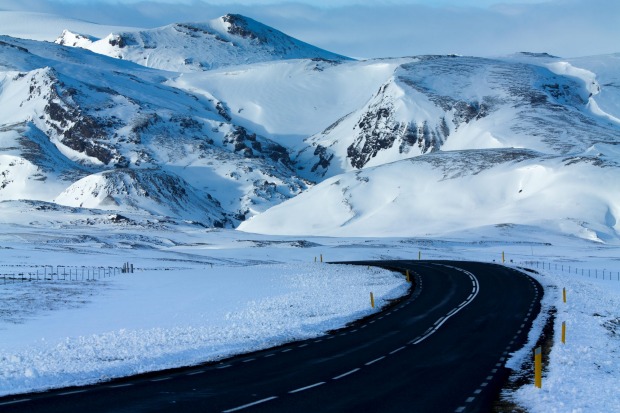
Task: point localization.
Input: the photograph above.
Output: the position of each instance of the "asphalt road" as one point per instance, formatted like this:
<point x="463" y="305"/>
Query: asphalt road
<point x="441" y="349"/>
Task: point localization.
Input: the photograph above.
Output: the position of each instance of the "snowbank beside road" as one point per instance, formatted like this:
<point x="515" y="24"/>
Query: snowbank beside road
<point x="153" y="320"/>
<point x="582" y="374"/>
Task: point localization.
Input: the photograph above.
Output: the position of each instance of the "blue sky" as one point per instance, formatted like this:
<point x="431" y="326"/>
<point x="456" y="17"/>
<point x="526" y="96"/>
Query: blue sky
<point x="384" y="28"/>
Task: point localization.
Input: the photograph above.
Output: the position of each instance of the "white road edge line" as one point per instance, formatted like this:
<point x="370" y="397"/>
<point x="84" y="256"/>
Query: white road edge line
<point x="162" y="379"/>
<point x="471" y="298"/>
<point x="307" y="387"/>
<point x="374" y="361"/>
<point x="397" y="350"/>
<point x="245" y="406"/>
<point x="346" y="374"/>
<point x="67" y="393"/>
<point x="15" y="402"/>
<point x="116" y="386"/>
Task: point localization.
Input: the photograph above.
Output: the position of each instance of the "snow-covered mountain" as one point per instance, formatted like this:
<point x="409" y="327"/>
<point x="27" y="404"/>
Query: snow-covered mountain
<point x="86" y="130"/>
<point x="231" y="121"/>
<point x="229" y="40"/>
<point x="456" y="103"/>
<point x="450" y="142"/>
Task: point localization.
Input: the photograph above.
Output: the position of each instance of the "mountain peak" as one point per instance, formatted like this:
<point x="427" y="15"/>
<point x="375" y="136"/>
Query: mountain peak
<point x="229" y="40"/>
<point x="69" y="38"/>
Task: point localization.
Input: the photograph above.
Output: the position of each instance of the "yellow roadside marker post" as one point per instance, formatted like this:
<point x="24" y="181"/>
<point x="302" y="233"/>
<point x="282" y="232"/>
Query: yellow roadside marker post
<point x="321" y="257"/>
<point x="564" y="294"/>
<point x="563" y="332"/>
<point x="538" y="367"/>
<point x="408" y="277"/>
<point x="372" y="300"/>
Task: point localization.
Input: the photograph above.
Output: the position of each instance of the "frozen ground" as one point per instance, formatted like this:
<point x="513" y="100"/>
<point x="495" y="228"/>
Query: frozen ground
<point x="200" y="295"/>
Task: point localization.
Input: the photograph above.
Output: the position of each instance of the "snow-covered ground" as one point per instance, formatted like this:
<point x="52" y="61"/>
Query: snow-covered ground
<point x="582" y="375"/>
<point x="199" y="295"/>
<point x="77" y="332"/>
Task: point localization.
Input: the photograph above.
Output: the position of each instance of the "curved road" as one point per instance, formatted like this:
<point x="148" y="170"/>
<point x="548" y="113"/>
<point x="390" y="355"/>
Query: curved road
<point x="441" y="349"/>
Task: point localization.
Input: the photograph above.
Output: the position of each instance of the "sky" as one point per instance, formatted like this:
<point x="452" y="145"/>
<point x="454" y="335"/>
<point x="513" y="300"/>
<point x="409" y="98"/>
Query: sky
<point x="384" y="28"/>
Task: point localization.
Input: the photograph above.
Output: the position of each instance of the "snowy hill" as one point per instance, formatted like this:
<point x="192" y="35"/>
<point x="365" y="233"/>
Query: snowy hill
<point x="444" y="192"/>
<point x="229" y="40"/>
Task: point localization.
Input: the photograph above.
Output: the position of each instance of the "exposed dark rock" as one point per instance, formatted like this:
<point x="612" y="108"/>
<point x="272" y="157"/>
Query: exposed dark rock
<point x="118" y="41"/>
<point x="324" y="158"/>
<point x="246" y="143"/>
<point x="239" y="27"/>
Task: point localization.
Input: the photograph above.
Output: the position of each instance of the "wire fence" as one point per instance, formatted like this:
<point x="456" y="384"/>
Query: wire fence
<point x="63" y="273"/>
<point x="603" y="274"/>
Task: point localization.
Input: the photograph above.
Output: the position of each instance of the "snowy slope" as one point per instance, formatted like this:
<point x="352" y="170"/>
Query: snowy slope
<point x="447" y="191"/>
<point x="185" y="47"/>
<point x="292" y="99"/>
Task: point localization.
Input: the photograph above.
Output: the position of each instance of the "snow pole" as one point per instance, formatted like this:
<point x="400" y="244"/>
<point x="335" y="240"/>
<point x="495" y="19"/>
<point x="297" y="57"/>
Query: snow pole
<point x="408" y="277"/>
<point x="564" y="294"/>
<point x="321" y="257"/>
<point x="372" y="300"/>
<point x="538" y="367"/>
<point x="503" y="258"/>
<point x="419" y="255"/>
